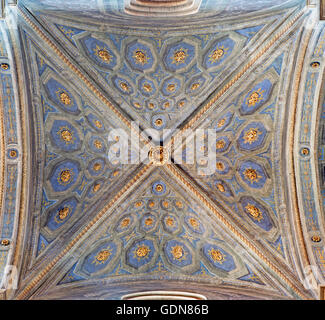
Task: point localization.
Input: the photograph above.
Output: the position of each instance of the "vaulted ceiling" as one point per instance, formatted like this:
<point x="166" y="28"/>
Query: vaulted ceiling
<point x="78" y="223"/>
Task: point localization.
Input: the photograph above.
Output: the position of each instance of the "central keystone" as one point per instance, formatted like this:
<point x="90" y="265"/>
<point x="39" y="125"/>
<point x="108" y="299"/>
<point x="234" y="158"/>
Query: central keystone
<point x="158" y="156"/>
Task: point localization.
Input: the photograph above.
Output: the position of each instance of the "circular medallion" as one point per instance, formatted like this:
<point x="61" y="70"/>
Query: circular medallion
<point x="316" y="238"/>
<point x="315" y="64"/>
<point x="5" y="66"/>
<point x="158" y="156"/>
<point x="5" y="242"/>
<point x="13" y="154"/>
<point x="305" y="152"/>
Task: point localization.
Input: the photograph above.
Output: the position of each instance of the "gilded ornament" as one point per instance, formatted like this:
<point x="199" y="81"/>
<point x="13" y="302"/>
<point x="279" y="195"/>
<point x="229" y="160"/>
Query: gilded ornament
<point x="115" y="149"/>
<point x="159" y="188"/>
<point x="315" y="65"/>
<point x="179" y="204"/>
<point x="194" y="223"/>
<point x="4" y="66"/>
<point x="171" y="87"/>
<point x="181" y="104"/>
<point x="177" y="252"/>
<point x="251" y="136"/>
<point x="124" y="86"/>
<point x="220" y="144"/>
<point x="65" y="176"/>
<point x="148" y="222"/>
<point x="221" y="123"/>
<point x="165" y="204"/>
<point x="158" y="156"/>
<point x="96" y="187"/>
<point x="142" y="251"/>
<point x="195" y="86"/>
<point x="5" y="242"/>
<point x="13" y="153"/>
<point x="202" y="173"/>
<point x="98" y="124"/>
<point x="170" y="221"/>
<point x="65" y="98"/>
<point x="98" y="144"/>
<point x="216" y="256"/>
<point x="63" y="213"/>
<point x="116" y="173"/>
<point x="138" y="204"/>
<point x="255" y="98"/>
<point x="217" y="54"/>
<point x="102" y="256"/>
<point x="66" y="135"/>
<point x="305" y="151"/>
<point x="166" y="105"/>
<point x="137" y="105"/>
<point x="220" y="166"/>
<point x="97" y="166"/>
<point x="316" y="238"/>
<point x="254" y="212"/>
<point x="179" y="56"/>
<point x="125" y="222"/>
<point x="140" y="57"/>
<point x="147" y="87"/>
<point x="159" y="122"/>
<point x="221" y="188"/>
<point x="104" y="55"/>
<point x="251" y="175"/>
<point x="151" y="105"/>
<point x="151" y="204"/>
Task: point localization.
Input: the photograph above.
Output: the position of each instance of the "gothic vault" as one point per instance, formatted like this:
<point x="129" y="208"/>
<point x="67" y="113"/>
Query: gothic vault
<point x="77" y="224"/>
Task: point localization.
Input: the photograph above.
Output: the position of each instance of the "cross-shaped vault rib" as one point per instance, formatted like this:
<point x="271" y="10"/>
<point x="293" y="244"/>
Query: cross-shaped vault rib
<point x="285" y="276"/>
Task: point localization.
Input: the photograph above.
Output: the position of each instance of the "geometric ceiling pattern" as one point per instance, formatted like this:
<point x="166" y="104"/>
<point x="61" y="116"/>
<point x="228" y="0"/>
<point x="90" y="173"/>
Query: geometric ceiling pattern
<point x="162" y="79"/>
<point x="77" y="222"/>
<point x="242" y="183"/>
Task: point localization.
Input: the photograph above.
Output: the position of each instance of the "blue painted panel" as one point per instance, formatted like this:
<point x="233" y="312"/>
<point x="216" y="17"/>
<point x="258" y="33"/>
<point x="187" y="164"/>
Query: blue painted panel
<point x="62" y="214"/>
<point x="218" y="257"/>
<point x="65" y="136"/>
<point x="56" y="90"/>
<point x="100" y="52"/>
<point x="100" y="257"/>
<point x="252" y="136"/>
<point x="253" y="174"/>
<point x="257" y="213"/>
<point x="178" y="253"/>
<point x="64" y="175"/>
<point x="256" y="97"/>
<point x="219" y="52"/>
<point x="140" y="253"/>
